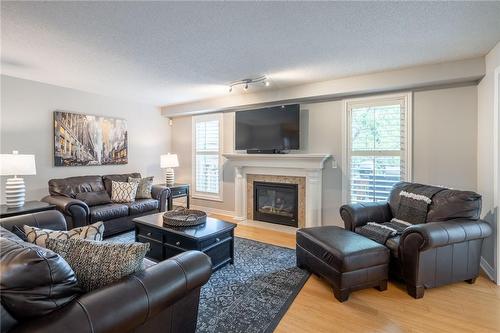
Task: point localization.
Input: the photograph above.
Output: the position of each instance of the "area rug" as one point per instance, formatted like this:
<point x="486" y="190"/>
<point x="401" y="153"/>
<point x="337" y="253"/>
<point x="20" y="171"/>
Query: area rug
<point x="252" y="295"/>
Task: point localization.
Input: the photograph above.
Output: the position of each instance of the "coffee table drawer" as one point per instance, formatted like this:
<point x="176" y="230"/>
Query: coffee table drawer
<point x="145" y="231"/>
<point x="220" y="253"/>
<point x="219" y="238"/>
<point x="182" y="242"/>
<point x="155" y="249"/>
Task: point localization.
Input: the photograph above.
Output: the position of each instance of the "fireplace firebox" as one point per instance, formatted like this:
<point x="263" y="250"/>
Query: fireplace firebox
<point x="276" y="203"/>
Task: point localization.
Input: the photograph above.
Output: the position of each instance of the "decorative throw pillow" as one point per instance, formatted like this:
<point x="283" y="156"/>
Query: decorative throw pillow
<point x="123" y="192"/>
<point x="40" y="236"/>
<point x="94" y="198"/>
<point x="143" y="188"/>
<point x="97" y="264"/>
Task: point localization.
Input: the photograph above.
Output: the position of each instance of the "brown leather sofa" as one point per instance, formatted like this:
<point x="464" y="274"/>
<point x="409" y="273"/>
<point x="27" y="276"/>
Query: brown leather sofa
<point x="80" y="200"/>
<point x="444" y="250"/>
<point x="162" y="298"/>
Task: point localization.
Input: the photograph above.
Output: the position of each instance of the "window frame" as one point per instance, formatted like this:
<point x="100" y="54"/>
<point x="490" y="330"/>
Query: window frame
<point x="375" y="100"/>
<point x="204" y="118"/>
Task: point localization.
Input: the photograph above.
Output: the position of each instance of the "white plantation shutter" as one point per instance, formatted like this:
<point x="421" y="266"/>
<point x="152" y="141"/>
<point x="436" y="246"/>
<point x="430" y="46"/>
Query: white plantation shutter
<point x="378" y="146"/>
<point x="207" y="141"/>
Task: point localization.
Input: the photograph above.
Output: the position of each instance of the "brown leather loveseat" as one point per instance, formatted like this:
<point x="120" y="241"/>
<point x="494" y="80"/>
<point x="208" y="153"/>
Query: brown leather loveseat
<point x="81" y="202"/>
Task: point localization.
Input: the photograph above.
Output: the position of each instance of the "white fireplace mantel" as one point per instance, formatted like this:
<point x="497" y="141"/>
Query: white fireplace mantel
<point x="308" y="166"/>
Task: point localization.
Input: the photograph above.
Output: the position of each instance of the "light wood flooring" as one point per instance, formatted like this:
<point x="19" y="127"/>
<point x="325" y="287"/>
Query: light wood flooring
<point x="455" y="308"/>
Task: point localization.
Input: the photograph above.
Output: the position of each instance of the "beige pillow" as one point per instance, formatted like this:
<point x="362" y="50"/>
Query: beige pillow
<point x="39" y="236"/>
<point x="144" y="187"/>
<point x="122" y="192"/>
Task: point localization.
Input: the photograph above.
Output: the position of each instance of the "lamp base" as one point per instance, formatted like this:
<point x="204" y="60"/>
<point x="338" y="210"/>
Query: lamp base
<point x="15" y="192"/>
<point x="169" y="177"/>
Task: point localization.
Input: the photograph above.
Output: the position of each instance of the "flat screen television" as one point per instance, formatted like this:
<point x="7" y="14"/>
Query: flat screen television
<point x="268" y="130"/>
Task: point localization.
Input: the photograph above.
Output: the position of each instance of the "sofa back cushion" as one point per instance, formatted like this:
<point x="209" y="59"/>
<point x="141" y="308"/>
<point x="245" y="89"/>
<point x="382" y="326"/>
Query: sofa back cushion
<point x="94" y="198"/>
<point x="35" y="280"/>
<point x="446" y="205"/>
<point x="71" y="186"/>
<point x="107" y="179"/>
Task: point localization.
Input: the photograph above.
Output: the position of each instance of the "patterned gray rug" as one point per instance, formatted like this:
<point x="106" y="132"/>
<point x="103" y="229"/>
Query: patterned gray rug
<point x="252" y="295"/>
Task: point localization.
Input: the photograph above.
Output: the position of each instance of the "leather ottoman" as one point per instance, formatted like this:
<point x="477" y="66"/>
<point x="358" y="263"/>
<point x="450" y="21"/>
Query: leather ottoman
<point x="348" y="261"/>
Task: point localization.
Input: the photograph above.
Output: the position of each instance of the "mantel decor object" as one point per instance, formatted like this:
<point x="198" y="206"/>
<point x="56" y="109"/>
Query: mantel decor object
<point x="15" y="165"/>
<point x="169" y="161"/>
<point x="182" y="217"/>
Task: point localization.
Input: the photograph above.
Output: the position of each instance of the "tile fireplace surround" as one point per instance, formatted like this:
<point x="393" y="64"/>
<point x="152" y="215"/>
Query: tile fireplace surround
<point x="302" y="169"/>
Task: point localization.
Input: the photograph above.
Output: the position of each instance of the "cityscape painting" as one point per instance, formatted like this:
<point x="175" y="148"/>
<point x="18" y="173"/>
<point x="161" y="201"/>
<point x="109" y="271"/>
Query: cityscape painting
<point x="81" y="139"/>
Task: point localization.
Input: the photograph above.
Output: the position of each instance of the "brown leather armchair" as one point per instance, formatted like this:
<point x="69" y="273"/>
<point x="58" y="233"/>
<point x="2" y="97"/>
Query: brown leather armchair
<point x="162" y="298"/>
<point x="445" y="249"/>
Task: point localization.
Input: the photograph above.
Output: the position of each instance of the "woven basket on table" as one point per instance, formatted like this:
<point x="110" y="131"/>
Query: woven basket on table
<point x="182" y="217"/>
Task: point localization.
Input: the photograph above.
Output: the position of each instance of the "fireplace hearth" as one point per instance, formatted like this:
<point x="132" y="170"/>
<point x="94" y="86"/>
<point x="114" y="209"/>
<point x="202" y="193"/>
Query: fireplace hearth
<point x="276" y="203"/>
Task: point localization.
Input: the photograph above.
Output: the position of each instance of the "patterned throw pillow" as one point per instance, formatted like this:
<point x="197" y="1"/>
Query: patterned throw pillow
<point x="97" y="264"/>
<point x="40" y="236"/>
<point x="122" y="192"/>
<point x="144" y="187"/>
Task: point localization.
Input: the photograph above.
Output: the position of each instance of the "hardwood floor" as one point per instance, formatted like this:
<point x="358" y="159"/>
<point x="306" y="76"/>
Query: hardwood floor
<point x="460" y="307"/>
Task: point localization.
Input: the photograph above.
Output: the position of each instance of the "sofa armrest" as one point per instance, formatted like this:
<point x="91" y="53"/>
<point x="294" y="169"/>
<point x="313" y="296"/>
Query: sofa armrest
<point x="51" y="219"/>
<point x="76" y="209"/>
<point x="161" y="193"/>
<point x="357" y="215"/>
<point x="133" y="301"/>
<point x="429" y="235"/>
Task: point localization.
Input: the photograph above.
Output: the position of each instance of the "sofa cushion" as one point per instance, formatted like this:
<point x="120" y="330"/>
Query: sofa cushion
<point x="107" y="179"/>
<point x="40" y="236"/>
<point x="141" y="206"/>
<point x="35" y="280"/>
<point x="97" y="264"/>
<point x="70" y="187"/>
<point x="94" y="198"/>
<point x="342" y="249"/>
<point x="446" y="205"/>
<point x="107" y="212"/>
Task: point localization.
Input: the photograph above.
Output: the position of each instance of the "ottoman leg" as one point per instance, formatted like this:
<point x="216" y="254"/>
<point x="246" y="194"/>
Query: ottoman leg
<point x="471" y="281"/>
<point x="382" y="285"/>
<point x="341" y="294"/>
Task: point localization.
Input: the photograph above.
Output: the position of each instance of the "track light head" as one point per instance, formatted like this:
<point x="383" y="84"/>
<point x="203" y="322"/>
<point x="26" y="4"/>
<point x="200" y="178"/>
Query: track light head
<point x="230" y="88"/>
<point x="246" y="86"/>
<point x="267" y="83"/>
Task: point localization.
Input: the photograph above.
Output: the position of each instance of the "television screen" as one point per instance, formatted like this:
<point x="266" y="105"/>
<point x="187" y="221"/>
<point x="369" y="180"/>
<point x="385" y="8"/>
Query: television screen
<point x="268" y="128"/>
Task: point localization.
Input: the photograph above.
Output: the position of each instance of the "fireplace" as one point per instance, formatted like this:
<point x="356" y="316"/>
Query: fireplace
<point x="276" y="203"/>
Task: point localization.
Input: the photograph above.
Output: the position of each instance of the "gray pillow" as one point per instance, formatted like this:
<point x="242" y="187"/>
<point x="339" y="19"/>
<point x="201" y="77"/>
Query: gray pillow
<point x="98" y="264"/>
<point x="144" y="187"/>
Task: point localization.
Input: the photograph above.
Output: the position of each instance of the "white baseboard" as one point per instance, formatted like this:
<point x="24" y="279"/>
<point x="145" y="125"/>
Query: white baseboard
<point x="214" y="210"/>
<point x="490" y="271"/>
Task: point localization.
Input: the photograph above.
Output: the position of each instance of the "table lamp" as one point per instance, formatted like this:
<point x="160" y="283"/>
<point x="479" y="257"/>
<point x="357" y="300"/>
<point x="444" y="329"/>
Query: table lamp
<point x="16" y="165"/>
<point x="169" y="161"/>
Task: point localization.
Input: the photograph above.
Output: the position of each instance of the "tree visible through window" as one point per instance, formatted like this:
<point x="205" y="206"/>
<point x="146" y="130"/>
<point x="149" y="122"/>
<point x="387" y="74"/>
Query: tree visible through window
<point x="377" y="147"/>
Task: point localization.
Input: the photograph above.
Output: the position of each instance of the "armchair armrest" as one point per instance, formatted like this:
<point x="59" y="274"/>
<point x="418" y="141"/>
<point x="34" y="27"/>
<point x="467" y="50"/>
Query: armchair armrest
<point x="357" y="215"/>
<point x="130" y="303"/>
<point x="161" y="193"/>
<point x="422" y="237"/>
<point x="76" y="209"/>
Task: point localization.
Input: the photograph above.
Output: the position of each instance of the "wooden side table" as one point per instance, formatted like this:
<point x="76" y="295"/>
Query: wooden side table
<point x="178" y="191"/>
<point x="28" y="208"/>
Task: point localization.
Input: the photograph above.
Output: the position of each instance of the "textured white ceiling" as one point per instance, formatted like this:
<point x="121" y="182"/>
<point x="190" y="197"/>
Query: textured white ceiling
<point x="171" y="52"/>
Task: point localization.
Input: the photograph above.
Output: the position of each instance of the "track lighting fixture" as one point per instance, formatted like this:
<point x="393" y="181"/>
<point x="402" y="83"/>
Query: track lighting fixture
<point x="247" y="82"/>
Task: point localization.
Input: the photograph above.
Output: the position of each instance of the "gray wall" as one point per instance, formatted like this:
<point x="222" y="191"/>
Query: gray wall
<point x="27" y="126"/>
<point x="485" y="153"/>
<point x="444" y="140"/>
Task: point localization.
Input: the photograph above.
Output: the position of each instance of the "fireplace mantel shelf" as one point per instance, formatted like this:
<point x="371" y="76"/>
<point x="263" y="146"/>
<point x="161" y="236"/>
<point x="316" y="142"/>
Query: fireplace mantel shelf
<point x="296" y="161"/>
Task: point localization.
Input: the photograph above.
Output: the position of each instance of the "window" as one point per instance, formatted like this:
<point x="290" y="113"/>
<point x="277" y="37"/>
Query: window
<point x="377" y="146"/>
<point x="207" y="149"/>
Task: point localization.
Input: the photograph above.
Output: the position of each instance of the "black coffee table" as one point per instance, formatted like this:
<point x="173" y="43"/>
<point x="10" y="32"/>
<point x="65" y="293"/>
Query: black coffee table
<point x="215" y="238"/>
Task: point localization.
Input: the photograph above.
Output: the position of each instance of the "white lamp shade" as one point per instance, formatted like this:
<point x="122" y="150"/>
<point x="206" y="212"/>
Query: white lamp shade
<point x="17" y="165"/>
<point x="169" y="161"/>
